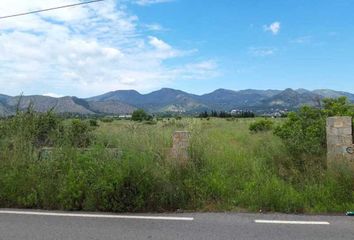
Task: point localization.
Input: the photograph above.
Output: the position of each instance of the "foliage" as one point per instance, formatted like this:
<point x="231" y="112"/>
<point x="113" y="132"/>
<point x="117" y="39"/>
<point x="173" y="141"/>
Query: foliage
<point x="79" y="133"/>
<point x="107" y="119"/>
<point x="39" y="129"/>
<point x="304" y="132"/>
<point x="204" y="114"/>
<point x="243" y="114"/>
<point x="224" y="114"/>
<point x="140" y="115"/>
<point x="261" y="125"/>
<point x="304" y="136"/>
<point x="93" y="123"/>
<point x="338" y="107"/>
<point x="127" y="167"/>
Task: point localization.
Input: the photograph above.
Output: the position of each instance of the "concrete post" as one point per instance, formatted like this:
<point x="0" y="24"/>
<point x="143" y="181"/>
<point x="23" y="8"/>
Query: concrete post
<point x="339" y="139"/>
<point x="180" y="146"/>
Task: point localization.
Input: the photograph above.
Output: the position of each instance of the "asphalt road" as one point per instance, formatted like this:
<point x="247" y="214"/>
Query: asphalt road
<point x="62" y="225"/>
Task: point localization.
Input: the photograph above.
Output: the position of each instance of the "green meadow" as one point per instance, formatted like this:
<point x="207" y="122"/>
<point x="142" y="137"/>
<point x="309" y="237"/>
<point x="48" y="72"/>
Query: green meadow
<point x="125" y="166"/>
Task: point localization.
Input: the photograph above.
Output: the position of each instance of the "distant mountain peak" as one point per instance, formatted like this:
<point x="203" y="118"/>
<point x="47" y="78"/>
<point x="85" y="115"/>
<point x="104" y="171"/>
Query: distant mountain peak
<point x="221" y="90"/>
<point x="289" y="90"/>
<point x="302" y="90"/>
<point x="174" y="100"/>
<point x="168" y="89"/>
<point x="126" y="91"/>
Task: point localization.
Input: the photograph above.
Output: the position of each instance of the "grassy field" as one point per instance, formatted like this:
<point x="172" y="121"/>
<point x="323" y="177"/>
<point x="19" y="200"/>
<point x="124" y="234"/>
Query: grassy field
<point x="230" y="169"/>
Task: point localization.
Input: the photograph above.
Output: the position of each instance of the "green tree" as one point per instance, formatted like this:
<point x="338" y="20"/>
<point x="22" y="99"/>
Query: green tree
<point x="304" y="132"/>
<point x="140" y="115"/>
<point x="204" y="114"/>
<point x="338" y="107"/>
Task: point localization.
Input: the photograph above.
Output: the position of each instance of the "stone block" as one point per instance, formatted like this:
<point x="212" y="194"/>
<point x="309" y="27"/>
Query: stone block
<point x="339" y="131"/>
<point x="340" y="140"/>
<point x="339" y="122"/>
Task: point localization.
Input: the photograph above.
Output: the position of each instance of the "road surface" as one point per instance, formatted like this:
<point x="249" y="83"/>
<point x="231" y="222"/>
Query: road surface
<point x="33" y="225"/>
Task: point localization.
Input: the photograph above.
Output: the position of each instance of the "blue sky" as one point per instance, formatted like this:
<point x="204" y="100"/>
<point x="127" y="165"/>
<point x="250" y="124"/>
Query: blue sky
<point x="193" y="45"/>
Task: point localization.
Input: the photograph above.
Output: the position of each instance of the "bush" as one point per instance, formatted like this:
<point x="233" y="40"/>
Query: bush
<point x="93" y="123"/>
<point x="107" y="119"/>
<point x="304" y="136"/>
<point x="304" y="132"/>
<point x="338" y="107"/>
<point x="140" y="115"/>
<point x="261" y="125"/>
<point x="79" y="133"/>
<point x="33" y="128"/>
<point x="46" y="128"/>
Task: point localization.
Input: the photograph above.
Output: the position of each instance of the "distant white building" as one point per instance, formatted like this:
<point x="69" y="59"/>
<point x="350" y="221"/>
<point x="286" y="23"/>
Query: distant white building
<point x="125" y="116"/>
<point x="236" y="112"/>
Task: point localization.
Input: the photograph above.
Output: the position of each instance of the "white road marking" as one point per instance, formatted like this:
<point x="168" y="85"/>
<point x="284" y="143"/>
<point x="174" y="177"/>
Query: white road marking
<point x="292" y="222"/>
<point x="97" y="216"/>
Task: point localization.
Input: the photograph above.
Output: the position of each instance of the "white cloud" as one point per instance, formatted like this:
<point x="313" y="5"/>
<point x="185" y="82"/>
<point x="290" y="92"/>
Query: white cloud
<point x="273" y="28"/>
<point x="149" y="2"/>
<point x="154" y="27"/>
<point x="85" y="51"/>
<point x="159" y="44"/>
<point x="262" y="51"/>
<point x="54" y="95"/>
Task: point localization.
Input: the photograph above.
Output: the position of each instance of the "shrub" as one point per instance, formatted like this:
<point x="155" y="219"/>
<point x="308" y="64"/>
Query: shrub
<point x="38" y="129"/>
<point x="93" y="123"/>
<point x="46" y="126"/>
<point x="304" y="132"/>
<point x="261" y="125"/>
<point x="140" y="115"/>
<point x="107" y="119"/>
<point x="79" y="133"/>
<point x="304" y="136"/>
<point x="338" y="107"/>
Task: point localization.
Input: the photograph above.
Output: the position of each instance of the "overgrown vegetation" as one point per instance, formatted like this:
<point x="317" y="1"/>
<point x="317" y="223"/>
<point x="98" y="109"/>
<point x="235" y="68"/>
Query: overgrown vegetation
<point x="261" y="125"/>
<point x="125" y="166"/>
<point x="304" y="132"/>
<point x="140" y="115"/>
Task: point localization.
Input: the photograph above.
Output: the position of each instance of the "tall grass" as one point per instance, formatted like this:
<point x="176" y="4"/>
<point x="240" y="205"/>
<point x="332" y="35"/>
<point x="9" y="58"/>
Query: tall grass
<point x="230" y="169"/>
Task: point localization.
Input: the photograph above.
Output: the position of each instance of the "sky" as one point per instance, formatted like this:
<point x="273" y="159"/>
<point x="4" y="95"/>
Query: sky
<point x="192" y="45"/>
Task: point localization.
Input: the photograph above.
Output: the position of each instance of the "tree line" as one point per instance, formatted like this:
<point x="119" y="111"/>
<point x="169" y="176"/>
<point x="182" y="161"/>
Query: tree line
<point x="224" y="114"/>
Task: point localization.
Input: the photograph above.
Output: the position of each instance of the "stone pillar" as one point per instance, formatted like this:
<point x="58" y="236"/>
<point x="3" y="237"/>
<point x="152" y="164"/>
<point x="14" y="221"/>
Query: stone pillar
<point x="180" y="146"/>
<point x="339" y="139"/>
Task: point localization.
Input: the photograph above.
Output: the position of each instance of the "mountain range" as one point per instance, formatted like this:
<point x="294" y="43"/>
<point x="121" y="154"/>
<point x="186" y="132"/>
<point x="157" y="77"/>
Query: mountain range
<point x="168" y="100"/>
